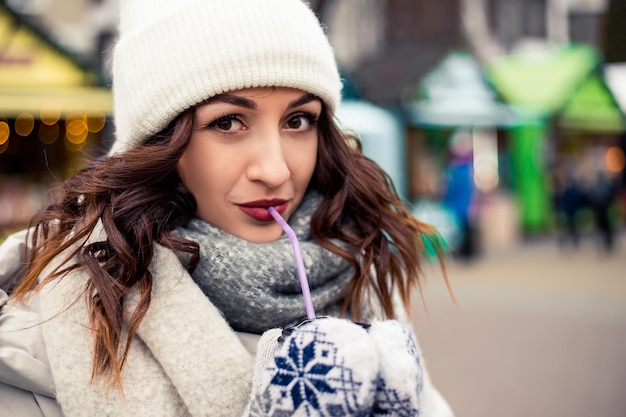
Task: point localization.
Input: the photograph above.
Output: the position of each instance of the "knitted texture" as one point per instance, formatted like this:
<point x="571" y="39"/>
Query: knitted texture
<point x="333" y="367"/>
<point x="184" y="361"/>
<point x="322" y="368"/>
<point x="255" y="285"/>
<point x="172" y="55"/>
<point x="401" y="376"/>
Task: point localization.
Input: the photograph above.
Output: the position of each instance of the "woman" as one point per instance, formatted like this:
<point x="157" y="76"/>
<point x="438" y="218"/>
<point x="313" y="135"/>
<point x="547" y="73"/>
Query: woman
<point x="152" y="275"/>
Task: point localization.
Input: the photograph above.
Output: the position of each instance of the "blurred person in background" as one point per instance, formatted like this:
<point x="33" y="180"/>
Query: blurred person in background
<point x="601" y="195"/>
<point x="460" y="194"/>
<point x="158" y="282"/>
<point x="569" y="199"/>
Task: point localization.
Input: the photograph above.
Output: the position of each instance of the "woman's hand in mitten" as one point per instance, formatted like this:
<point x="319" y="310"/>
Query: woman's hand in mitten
<point x="404" y="387"/>
<point x="401" y="375"/>
<point x="322" y="367"/>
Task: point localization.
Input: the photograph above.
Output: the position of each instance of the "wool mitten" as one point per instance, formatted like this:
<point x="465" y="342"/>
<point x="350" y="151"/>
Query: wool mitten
<point x="401" y="374"/>
<point x="323" y="367"/>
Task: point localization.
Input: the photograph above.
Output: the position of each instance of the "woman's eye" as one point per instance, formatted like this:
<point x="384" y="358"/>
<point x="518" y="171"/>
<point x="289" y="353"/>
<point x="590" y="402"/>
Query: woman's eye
<point x="227" y="124"/>
<point x="300" y="122"/>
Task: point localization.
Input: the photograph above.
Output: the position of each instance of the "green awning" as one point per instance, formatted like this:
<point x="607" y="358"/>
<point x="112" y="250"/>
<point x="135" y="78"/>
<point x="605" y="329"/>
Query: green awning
<point x="592" y="108"/>
<point x="542" y="82"/>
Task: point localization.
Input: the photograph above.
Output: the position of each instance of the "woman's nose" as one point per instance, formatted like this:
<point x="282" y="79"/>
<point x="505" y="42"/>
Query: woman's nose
<point x="268" y="164"/>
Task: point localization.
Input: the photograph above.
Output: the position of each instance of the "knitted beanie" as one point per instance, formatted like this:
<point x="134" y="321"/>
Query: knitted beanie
<point x="172" y="55"/>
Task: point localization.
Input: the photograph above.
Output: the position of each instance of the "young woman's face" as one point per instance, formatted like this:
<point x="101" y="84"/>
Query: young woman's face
<point x="251" y="149"/>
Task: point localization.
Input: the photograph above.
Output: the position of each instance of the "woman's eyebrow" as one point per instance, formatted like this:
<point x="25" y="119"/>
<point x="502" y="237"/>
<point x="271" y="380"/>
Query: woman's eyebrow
<point x="232" y="99"/>
<point x="302" y="100"/>
<point x="250" y="104"/>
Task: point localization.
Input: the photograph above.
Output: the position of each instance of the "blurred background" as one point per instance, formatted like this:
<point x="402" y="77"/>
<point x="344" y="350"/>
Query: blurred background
<point x="501" y="122"/>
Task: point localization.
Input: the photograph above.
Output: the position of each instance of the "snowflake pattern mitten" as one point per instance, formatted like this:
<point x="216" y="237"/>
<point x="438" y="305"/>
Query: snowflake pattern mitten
<point x="401" y="372"/>
<point x="321" y="368"/>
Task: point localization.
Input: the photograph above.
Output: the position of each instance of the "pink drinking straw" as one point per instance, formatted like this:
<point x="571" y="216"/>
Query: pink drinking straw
<point x="295" y="245"/>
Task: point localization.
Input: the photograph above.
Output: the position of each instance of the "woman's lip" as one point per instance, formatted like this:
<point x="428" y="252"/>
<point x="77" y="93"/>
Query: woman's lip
<point x="273" y="202"/>
<point x="258" y="209"/>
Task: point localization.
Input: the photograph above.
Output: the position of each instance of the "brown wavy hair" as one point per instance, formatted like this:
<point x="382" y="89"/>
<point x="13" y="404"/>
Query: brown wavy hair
<point x="139" y="199"/>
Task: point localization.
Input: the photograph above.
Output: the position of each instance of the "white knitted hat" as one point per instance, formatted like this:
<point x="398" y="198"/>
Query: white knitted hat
<point x="173" y="54"/>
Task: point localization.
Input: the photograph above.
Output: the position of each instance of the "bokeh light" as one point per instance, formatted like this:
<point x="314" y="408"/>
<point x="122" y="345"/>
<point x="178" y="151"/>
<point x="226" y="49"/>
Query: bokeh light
<point x="614" y="159"/>
<point x="76" y="128"/>
<point x="5" y="131"/>
<point x="48" y="134"/>
<point x="95" y="122"/>
<point x="50" y="113"/>
<point x="24" y="124"/>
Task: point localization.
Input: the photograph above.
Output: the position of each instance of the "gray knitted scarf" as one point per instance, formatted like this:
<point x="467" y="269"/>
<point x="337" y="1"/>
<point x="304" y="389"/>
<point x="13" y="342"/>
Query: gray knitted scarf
<point x="255" y="285"/>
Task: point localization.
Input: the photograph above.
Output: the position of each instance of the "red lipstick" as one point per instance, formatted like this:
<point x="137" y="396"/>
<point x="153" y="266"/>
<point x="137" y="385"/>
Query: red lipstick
<point x="258" y="209"/>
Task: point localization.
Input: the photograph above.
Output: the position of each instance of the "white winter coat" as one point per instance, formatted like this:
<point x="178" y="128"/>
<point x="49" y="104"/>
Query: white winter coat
<point x="185" y="360"/>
